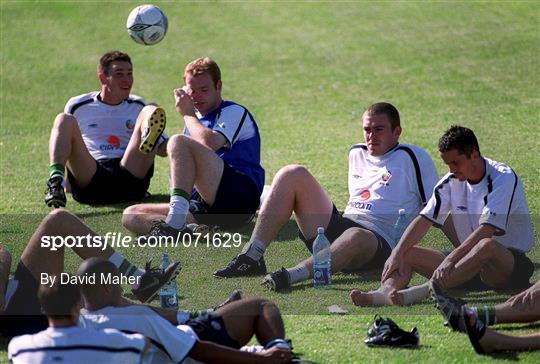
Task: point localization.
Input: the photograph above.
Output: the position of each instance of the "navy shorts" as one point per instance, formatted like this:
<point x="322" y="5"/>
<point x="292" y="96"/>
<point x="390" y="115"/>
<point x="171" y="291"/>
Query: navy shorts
<point x="338" y="225"/>
<point x="210" y="327"/>
<point x="111" y="183"/>
<point x="23" y="311"/>
<point x="237" y="200"/>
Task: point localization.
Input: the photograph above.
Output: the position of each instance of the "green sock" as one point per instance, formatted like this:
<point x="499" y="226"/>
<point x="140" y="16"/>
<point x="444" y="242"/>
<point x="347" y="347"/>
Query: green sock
<point x="56" y="169"/>
<point x="486" y="314"/>
<point x="180" y="192"/>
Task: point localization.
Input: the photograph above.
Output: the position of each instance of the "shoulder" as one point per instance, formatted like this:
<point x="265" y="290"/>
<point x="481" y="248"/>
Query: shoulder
<point x="134" y="99"/>
<point x="21" y="342"/>
<point x="358" y="149"/>
<point x="77" y="101"/>
<point x="500" y="173"/>
<point x="446" y="181"/>
<point x="413" y="151"/>
<point x="233" y="108"/>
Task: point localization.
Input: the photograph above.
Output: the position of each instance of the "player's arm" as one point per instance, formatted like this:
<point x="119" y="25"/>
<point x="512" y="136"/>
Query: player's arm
<point x="415" y="232"/>
<point x="5" y="266"/>
<point x="207" y="137"/>
<point x="162" y="149"/>
<point x="209" y="352"/>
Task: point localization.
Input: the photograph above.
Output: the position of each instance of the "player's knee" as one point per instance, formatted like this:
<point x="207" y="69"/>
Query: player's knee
<point x="176" y="143"/>
<point x="292" y="173"/>
<point x="486" y="248"/>
<point x="129" y="213"/>
<point x="57" y="216"/>
<point x="63" y="120"/>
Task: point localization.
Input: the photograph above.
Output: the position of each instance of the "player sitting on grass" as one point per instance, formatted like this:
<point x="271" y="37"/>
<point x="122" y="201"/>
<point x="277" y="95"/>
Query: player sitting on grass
<point x="384" y="176"/>
<point x="490" y="216"/>
<point x="474" y="320"/>
<point x="64" y="341"/>
<point x="218" y="156"/>
<point x="20" y="311"/>
<point x="107" y="140"/>
<point x="211" y="338"/>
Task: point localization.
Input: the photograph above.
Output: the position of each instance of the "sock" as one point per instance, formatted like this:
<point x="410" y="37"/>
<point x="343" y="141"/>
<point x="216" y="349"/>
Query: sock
<point x="56" y="170"/>
<point x="178" y="208"/>
<point x="125" y="267"/>
<point x="486" y="314"/>
<point x="379" y="298"/>
<point x="415" y="294"/>
<point x="298" y="273"/>
<point x="254" y="249"/>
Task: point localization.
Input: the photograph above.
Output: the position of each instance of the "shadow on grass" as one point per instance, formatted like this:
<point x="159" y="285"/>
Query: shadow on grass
<point x="504" y="356"/>
<point x="535" y="326"/>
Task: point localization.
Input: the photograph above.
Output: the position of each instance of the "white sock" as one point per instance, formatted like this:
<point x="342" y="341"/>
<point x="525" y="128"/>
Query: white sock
<point x="124" y="266"/>
<point x="379" y="298"/>
<point x="415" y="294"/>
<point x="298" y="273"/>
<point x="254" y="249"/>
<point x="178" y="209"/>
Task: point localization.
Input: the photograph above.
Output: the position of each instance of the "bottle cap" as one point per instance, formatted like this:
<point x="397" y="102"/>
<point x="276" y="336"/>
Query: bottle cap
<point x="320" y="230"/>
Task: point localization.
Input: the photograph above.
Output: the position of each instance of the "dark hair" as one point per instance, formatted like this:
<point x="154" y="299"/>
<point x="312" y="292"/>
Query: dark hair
<point x="60" y="299"/>
<point x="387" y="109"/>
<point x="110" y="57"/>
<point x="460" y="138"/>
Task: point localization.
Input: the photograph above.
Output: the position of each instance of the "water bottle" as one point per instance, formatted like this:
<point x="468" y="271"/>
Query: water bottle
<point x="400" y="225"/>
<point x="322" y="256"/>
<point x="167" y="293"/>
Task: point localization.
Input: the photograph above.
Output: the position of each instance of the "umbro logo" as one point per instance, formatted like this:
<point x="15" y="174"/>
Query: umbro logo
<point x="221" y="125"/>
<point x="93" y="125"/>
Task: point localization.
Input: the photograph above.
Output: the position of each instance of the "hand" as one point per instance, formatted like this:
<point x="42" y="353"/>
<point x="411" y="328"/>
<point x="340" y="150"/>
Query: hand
<point x="183" y="102"/>
<point x="276" y="355"/>
<point x="440" y="276"/>
<point x="525" y="298"/>
<point x="392" y="264"/>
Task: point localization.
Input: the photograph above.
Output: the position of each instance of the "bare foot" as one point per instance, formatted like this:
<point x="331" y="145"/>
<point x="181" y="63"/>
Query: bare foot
<point x="396" y="297"/>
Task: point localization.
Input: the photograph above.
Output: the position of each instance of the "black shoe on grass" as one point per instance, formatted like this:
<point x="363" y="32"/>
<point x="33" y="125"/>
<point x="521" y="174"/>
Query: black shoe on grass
<point x="55" y="195"/>
<point x="242" y="266"/>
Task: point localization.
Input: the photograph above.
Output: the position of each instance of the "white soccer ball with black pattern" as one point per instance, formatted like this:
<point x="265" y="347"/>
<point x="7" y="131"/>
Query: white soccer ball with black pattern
<point x="147" y="24"/>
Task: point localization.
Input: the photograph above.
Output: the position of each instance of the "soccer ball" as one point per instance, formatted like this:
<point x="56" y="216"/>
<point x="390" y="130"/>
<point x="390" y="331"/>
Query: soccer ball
<point x="147" y="24"/>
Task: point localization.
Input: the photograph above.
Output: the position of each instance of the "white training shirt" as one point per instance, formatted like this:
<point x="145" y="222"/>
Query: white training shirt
<point x="106" y="129"/>
<point x="76" y="345"/>
<point x="173" y="342"/>
<point x="498" y="200"/>
<point x="402" y="178"/>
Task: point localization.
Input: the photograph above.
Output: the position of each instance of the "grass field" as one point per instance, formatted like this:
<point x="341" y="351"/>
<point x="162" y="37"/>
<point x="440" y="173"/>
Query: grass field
<point x="306" y="70"/>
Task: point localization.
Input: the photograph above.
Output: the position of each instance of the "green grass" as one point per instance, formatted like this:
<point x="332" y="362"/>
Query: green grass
<point x="306" y="71"/>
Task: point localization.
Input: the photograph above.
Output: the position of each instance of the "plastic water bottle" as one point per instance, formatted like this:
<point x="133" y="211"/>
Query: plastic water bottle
<point x="400" y="225"/>
<point x="167" y="293"/>
<point x="322" y="256"/>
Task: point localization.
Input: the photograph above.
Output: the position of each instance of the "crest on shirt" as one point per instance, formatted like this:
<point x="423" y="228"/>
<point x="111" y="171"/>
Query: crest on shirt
<point x="130" y="124"/>
<point x="385" y="179"/>
<point x="365" y="195"/>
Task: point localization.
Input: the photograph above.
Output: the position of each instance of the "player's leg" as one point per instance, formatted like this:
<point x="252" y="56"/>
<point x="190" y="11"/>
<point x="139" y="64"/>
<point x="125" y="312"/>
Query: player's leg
<point x="486" y="340"/>
<point x="493" y="261"/>
<point x="191" y="164"/>
<point x="139" y="218"/>
<point x="66" y="147"/>
<point x="421" y="260"/>
<point x="352" y="250"/>
<point x="141" y="149"/>
<point x="293" y="189"/>
<point x="248" y="317"/>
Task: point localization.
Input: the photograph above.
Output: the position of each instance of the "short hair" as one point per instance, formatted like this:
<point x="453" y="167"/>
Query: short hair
<point x="387" y="109"/>
<point x="110" y="57"/>
<point x="203" y="65"/>
<point x="60" y="299"/>
<point x="460" y="138"/>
